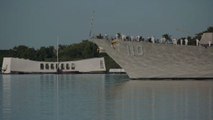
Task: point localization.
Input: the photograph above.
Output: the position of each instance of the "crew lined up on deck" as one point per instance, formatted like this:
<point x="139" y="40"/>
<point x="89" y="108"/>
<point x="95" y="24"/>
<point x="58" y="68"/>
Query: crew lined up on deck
<point x="149" y="39"/>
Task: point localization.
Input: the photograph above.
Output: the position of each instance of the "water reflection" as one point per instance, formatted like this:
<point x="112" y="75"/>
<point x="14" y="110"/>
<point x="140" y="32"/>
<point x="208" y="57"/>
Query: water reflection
<point x="161" y="100"/>
<point x="77" y="96"/>
<point x="6" y="101"/>
<point x="103" y="97"/>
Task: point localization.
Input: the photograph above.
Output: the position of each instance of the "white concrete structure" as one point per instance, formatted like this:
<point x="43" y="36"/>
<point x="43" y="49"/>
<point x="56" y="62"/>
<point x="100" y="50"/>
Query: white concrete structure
<point x="17" y="65"/>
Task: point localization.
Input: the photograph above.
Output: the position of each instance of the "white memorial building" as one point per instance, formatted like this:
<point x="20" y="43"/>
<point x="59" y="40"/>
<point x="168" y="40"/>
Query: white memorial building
<point x="16" y="65"/>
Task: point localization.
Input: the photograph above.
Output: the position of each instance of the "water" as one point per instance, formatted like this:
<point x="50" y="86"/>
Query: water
<point x="103" y="97"/>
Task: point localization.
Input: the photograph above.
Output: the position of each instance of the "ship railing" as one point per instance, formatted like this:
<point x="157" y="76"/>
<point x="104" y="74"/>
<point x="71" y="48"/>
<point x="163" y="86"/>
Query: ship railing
<point x="150" y="40"/>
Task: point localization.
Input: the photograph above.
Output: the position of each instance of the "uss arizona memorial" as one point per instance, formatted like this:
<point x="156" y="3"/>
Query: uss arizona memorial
<point x="17" y="65"/>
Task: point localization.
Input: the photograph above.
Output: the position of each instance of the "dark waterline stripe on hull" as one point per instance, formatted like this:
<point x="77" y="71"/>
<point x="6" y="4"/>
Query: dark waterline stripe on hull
<point x="189" y="78"/>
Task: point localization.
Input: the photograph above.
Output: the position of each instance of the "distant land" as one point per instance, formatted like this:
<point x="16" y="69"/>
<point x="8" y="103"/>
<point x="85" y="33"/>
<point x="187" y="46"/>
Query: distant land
<point x="77" y="51"/>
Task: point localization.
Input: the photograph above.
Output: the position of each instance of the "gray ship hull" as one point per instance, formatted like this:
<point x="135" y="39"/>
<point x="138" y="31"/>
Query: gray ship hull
<point x="144" y="60"/>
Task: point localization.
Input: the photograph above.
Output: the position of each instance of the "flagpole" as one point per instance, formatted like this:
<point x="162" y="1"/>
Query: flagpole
<point x="57" y="54"/>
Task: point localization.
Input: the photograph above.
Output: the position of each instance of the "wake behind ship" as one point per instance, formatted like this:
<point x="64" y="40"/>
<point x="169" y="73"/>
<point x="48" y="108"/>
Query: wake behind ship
<point x="145" y="60"/>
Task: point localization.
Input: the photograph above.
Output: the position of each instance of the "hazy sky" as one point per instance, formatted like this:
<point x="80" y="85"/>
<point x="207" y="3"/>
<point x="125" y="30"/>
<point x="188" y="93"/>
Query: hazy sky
<point x="37" y="23"/>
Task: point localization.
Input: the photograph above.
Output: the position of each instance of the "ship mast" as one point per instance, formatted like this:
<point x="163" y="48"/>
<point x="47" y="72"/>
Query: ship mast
<point x="91" y="24"/>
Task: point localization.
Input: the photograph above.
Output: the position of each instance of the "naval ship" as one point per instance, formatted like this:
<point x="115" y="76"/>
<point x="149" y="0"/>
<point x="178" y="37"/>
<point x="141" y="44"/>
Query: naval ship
<point x="145" y="60"/>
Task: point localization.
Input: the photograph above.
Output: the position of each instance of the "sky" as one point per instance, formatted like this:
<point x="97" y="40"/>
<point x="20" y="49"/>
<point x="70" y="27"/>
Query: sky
<point x="37" y="23"/>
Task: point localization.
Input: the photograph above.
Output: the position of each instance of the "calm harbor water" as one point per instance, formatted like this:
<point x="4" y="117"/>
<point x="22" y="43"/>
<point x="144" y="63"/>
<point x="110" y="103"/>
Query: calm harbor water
<point x="103" y="97"/>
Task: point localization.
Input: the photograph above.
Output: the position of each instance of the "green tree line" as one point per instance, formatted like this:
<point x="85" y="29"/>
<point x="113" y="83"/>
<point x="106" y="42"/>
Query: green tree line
<point x="82" y="50"/>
